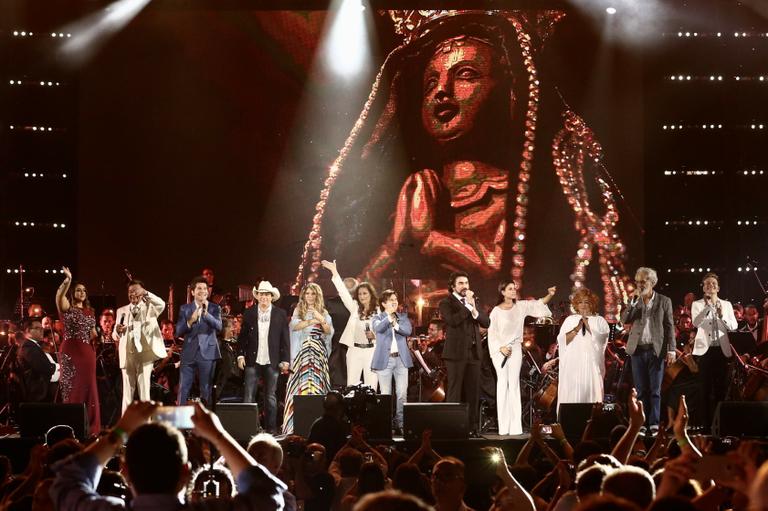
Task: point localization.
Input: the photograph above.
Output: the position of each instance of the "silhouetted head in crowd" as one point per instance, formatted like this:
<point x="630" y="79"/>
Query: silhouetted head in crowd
<point x="333" y="405"/>
<point x="607" y="503"/>
<point x="408" y="479"/>
<point x="57" y="433"/>
<point x="156" y="459"/>
<point x="210" y="483"/>
<point x="631" y="483"/>
<point x="267" y="451"/>
<point x="448" y="484"/>
<point x="389" y="500"/>
<point x="371" y="479"/>
<point x="672" y="504"/>
<point x="350" y="461"/>
<point x="585" y="449"/>
<point x="590" y="480"/>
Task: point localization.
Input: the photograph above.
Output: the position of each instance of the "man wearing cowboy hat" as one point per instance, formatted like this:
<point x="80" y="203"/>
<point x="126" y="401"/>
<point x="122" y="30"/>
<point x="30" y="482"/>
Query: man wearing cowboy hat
<point x="264" y="347"/>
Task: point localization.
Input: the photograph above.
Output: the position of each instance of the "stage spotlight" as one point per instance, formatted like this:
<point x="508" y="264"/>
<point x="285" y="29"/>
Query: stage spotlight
<point x="346" y="49"/>
<point x="610" y="10"/>
<point x="92" y="32"/>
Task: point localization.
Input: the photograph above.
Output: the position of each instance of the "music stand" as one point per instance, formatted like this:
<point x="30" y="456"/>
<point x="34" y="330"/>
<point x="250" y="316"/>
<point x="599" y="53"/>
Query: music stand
<point x="742" y="342"/>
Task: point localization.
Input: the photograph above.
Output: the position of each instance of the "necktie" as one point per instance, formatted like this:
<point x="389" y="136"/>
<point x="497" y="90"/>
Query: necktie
<point x="464" y="301"/>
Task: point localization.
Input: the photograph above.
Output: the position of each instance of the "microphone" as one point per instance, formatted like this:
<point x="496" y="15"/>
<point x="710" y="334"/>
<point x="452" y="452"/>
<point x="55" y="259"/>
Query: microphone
<point x="504" y="362"/>
<point x="122" y="319"/>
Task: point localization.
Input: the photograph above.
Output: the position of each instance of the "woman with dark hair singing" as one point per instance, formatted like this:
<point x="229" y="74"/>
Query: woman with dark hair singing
<point x="505" y="337"/>
<point x="358" y="335"/>
<point x="581" y="344"/>
<point x="77" y="356"/>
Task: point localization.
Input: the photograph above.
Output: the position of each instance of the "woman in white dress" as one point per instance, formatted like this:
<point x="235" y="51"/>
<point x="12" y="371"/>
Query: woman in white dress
<point x="505" y="338"/>
<point x="581" y="344"/>
<point x="358" y="336"/>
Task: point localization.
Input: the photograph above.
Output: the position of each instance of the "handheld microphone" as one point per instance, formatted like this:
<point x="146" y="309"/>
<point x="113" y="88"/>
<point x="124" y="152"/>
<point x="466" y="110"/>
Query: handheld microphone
<point x="504" y="362"/>
<point x="122" y="319"/>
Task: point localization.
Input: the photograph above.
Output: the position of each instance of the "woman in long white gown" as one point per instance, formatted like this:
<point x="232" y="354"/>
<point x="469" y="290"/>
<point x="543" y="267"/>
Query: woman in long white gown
<point x="505" y="338"/>
<point x="581" y="344"/>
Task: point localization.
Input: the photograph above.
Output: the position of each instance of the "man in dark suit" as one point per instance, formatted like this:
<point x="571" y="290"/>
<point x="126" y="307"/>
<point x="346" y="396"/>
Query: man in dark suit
<point x="651" y="341"/>
<point x="463" y="344"/>
<point x="264" y="347"/>
<point x="38" y="370"/>
<point x="198" y="323"/>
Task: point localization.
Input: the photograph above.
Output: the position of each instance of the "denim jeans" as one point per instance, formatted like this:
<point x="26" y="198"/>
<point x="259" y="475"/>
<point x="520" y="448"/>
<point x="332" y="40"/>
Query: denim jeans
<point x="647" y="373"/>
<point x="397" y="369"/>
<point x="269" y="375"/>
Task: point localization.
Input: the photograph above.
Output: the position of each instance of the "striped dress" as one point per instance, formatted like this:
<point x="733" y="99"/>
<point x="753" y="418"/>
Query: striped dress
<point x="309" y="370"/>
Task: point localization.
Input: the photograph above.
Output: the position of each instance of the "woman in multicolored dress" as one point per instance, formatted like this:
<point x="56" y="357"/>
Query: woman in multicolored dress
<point x="77" y="356"/>
<point x="311" y="332"/>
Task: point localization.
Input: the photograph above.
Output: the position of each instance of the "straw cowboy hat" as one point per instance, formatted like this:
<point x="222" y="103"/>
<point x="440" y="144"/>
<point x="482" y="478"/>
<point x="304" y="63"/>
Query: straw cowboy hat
<point x="265" y="287"/>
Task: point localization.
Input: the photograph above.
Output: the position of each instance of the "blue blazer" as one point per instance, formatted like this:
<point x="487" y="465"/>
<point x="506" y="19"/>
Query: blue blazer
<point x="383" y="328"/>
<point x="202" y="334"/>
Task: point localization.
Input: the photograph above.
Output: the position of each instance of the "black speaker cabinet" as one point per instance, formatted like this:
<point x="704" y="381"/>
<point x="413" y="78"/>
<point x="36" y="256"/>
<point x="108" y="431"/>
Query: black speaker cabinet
<point x="241" y="420"/>
<point x="740" y="418"/>
<point x="306" y="410"/>
<point x="448" y="421"/>
<point x="37" y="418"/>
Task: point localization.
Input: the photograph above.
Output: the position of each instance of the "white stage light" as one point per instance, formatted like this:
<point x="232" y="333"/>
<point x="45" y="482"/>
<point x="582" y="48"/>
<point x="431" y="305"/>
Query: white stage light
<point x="346" y="45"/>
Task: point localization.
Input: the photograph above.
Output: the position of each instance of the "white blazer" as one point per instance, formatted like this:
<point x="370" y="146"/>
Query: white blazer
<point x="710" y="326"/>
<point x="149" y="326"/>
<point x="354" y="331"/>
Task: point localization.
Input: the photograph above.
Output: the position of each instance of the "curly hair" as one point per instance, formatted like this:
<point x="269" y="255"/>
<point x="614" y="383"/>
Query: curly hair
<point x="585" y="294"/>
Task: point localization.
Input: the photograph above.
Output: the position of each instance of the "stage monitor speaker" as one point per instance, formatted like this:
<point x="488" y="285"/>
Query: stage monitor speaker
<point x="740" y="418"/>
<point x="573" y="418"/>
<point x="241" y="420"/>
<point x="35" y="419"/>
<point x="306" y="410"/>
<point x="448" y="421"/>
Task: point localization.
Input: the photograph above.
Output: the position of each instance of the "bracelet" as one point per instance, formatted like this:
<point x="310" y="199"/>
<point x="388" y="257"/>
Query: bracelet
<point x="682" y="442"/>
<point x="563" y="441"/>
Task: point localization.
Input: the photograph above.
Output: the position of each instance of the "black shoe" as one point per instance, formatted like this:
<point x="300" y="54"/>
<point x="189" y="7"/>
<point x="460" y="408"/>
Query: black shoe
<point x="397" y="431"/>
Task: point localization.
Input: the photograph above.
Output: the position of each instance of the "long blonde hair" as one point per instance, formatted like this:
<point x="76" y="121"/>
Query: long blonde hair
<point x="319" y="304"/>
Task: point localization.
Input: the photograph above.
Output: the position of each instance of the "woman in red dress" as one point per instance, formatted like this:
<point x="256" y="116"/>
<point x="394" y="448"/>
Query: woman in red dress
<point x="77" y="356"/>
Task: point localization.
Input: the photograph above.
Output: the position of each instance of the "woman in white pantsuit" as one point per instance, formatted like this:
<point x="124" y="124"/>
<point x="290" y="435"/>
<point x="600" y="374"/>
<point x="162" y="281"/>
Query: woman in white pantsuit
<point x="505" y="338"/>
<point x="358" y="335"/>
<point x="581" y="346"/>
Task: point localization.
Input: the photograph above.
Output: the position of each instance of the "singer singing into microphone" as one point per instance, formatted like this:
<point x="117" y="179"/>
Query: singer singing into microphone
<point x="140" y="340"/>
<point x="505" y="337"/>
<point x="651" y="341"/>
<point x="463" y="344"/>
<point x="713" y="317"/>
<point x="581" y="344"/>
<point x="198" y="323"/>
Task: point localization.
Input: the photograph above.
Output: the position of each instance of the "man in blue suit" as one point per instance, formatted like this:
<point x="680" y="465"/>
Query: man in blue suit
<point x="198" y="323"/>
<point x="391" y="356"/>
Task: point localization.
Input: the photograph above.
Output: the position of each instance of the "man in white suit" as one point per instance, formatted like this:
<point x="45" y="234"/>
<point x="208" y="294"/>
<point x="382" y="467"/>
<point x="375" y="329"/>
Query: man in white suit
<point x="140" y="340"/>
<point x="714" y="318"/>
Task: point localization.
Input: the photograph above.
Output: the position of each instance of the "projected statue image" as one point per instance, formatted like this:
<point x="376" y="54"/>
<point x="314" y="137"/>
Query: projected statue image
<point x="437" y="171"/>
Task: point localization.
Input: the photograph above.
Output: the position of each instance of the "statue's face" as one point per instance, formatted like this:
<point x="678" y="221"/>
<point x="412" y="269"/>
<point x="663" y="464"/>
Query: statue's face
<point x="458" y="82"/>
